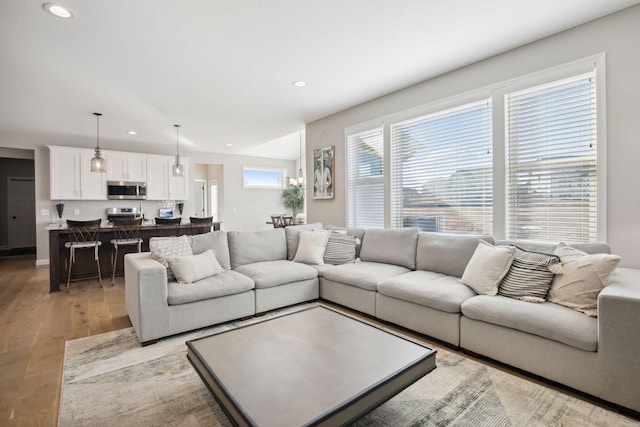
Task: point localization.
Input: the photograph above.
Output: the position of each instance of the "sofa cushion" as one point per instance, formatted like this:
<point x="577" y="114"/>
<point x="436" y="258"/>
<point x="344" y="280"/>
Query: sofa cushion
<point x="291" y="232"/>
<point x="580" y="278"/>
<point x="214" y="240"/>
<point x="529" y="276"/>
<point x="163" y="247"/>
<point x="341" y="248"/>
<point x="273" y="273"/>
<point x="390" y="246"/>
<point x="191" y="268"/>
<point x="487" y="267"/>
<point x="322" y="268"/>
<point x="446" y="253"/>
<point x="226" y="283"/>
<point x="365" y="275"/>
<point x="547" y="320"/>
<point x="311" y="246"/>
<point x="429" y="289"/>
<point x="247" y="247"/>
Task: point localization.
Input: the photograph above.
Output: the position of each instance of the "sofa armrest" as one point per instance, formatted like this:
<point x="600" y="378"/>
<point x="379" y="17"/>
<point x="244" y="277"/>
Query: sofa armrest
<point x="146" y="295"/>
<point x="619" y="337"/>
<point x="619" y="313"/>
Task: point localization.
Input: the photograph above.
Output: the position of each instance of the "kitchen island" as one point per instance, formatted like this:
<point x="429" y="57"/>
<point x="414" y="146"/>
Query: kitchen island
<point x="85" y="266"/>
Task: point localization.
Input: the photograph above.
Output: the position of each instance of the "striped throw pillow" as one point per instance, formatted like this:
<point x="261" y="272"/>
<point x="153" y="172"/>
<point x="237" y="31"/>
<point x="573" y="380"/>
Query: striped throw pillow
<point x="529" y="277"/>
<point x="340" y="249"/>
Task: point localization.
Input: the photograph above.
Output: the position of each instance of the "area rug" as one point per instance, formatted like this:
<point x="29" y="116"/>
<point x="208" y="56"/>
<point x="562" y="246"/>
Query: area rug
<point x="109" y="379"/>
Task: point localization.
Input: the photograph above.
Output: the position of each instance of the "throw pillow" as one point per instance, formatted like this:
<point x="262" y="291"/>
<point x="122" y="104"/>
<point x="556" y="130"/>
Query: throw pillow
<point x="487" y="267"/>
<point x="529" y="277"/>
<point x="341" y="248"/>
<point x="163" y="247"/>
<point x="311" y="246"/>
<point x="191" y="268"/>
<point x="580" y="277"/>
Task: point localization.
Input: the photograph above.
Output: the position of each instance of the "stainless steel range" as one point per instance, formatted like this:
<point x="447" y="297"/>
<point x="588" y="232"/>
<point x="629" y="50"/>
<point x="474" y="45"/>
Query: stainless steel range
<point x="123" y="213"/>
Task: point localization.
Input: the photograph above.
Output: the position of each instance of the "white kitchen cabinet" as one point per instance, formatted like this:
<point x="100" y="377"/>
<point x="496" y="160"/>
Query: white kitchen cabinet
<point x="161" y="184"/>
<point x="64" y="173"/>
<point x="70" y="175"/>
<point x="123" y="166"/>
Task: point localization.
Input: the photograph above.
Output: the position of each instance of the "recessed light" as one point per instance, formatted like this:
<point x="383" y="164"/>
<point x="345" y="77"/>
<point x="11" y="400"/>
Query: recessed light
<point x="299" y="83"/>
<point x="58" y="10"/>
<point x="229" y="145"/>
<point x="132" y="132"/>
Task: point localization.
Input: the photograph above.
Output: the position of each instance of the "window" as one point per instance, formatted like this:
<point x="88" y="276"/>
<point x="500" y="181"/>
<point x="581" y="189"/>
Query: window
<point x="551" y="161"/>
<point x="263" y="178"/>
<point x="442" y="177"/>
<point x="365" y="179"/>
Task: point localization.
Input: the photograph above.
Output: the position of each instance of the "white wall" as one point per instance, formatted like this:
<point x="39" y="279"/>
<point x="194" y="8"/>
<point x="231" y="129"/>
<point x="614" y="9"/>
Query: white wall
<point x="243" y="209"/>
<point x="618" y="35"/>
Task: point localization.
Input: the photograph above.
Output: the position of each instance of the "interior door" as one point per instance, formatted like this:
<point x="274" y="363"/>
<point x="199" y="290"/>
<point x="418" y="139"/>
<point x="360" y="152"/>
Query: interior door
<point x="213" y="197"/>
<point x="22" y="212"/>
<point x="200" y="199"/>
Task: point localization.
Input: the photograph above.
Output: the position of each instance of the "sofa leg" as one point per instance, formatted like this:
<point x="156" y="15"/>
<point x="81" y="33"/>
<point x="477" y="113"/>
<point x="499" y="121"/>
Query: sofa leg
<point x="146" y="343"/>
<point x="246" y="318"/>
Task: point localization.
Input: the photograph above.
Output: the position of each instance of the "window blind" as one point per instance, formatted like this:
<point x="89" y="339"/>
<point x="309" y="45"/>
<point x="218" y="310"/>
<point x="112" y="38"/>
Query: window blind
<point x="551" y="161"/>
<point x="365" y="179"/>
<point x="442" y="178"/>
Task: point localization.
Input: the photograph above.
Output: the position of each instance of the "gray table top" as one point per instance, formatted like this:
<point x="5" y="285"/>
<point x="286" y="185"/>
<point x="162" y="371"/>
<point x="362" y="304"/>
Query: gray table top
<point x="299" y="368"/>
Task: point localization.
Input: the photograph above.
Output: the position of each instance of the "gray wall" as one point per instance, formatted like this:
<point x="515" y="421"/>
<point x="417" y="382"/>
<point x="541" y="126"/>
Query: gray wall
<point x="618" y="35"/>
<point x="10" y="168"/>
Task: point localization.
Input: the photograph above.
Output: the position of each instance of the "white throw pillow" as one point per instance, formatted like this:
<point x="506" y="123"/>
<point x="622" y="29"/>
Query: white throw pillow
<point x="579" y="278"/>
<point x="311" y="246"/>
<point x="191" y="268"/>
<point x="163" y="247"/>
<point x="487" y="267"/>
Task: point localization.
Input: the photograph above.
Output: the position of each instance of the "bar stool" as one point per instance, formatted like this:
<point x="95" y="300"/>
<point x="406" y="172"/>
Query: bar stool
<point x="83" y="235"/>
<point x="126" y="233"/>
<point x="168" y="226"/>
<point x="200" y="225"/>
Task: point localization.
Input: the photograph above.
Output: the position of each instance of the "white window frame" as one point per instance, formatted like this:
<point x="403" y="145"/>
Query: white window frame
<point x="281" y="173"/>
<point x="497" y="92"/>
<point x="500" y="208"/>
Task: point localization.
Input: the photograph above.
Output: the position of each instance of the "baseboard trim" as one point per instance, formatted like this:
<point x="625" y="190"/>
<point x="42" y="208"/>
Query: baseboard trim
<point x="42" y="261"/>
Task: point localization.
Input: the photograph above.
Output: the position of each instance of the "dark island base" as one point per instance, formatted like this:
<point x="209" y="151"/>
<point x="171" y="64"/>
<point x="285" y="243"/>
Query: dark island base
<point x="85" y="266"/>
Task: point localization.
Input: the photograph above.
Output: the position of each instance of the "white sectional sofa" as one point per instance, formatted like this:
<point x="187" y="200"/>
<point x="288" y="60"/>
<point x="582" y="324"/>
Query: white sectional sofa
<point x="409" y="279"/>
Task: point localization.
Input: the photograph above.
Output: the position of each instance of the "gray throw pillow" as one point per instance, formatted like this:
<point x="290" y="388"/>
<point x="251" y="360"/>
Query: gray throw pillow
<point x="191" y="268"/>
<point x="340" y="249"/>
<point x="162" y="248"/>
<point x="529" y="277"/>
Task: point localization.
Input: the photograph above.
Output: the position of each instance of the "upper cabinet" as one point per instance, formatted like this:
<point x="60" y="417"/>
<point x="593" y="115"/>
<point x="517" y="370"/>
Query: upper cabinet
<point x="161" y="184"/>
<point x="122" y="166"/>
<point x="71" y="177"/>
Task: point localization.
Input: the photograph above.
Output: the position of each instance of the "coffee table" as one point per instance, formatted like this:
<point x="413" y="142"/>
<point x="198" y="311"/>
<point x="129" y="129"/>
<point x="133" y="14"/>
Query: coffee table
<point x="316" y="366"/>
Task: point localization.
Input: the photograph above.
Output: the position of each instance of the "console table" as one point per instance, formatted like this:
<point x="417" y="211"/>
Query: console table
<point x="85" y="265"/>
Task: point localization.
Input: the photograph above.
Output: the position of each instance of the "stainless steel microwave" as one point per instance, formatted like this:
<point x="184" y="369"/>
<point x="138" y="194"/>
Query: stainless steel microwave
<point x="122" y="190"/>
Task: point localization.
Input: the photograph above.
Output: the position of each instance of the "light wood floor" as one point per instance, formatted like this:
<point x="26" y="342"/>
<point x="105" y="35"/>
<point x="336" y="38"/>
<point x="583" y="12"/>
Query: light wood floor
<point x="34" y="325"/>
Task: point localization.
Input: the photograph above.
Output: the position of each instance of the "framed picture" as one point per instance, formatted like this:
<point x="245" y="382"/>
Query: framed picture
<point x="323" y="167"/>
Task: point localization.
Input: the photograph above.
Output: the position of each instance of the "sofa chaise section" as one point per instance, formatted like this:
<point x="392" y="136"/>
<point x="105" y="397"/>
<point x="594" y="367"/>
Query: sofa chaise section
<point x="383" y="254"/>
<point x="429" y="299"/>
<point x="158" y="308"/>
<point x="262" y="256"/>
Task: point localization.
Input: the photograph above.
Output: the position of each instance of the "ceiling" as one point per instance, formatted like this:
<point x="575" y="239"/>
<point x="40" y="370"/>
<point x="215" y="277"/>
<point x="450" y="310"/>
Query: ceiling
<point x="223" y="69"/>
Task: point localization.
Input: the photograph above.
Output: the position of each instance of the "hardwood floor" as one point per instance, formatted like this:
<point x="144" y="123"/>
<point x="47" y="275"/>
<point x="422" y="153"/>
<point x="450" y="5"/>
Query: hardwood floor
<point x="34" y="325"/>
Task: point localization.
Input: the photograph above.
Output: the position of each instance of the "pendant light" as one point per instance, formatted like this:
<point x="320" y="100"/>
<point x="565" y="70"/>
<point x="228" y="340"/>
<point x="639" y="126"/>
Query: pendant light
<point x="300" y="174"/>
<point x="178" y="169"/>
<point x="97" y="162"/>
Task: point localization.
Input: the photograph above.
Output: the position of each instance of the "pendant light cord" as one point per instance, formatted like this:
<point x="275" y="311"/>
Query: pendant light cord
<point x="177" y="141"/>
<point x="97" y="130"/>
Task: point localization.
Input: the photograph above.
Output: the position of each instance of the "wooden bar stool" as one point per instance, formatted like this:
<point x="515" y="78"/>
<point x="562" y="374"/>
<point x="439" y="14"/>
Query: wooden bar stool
<point x="126" y="233"/>
<point x="83" y="235"/>
<point x="168" y="226"/>
<point x="200" y="225"/>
